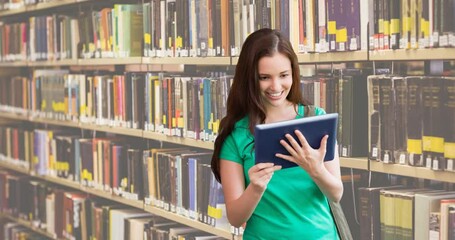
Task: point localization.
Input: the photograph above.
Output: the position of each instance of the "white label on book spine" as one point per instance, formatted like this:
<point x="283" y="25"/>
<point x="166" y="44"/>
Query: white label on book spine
<point x="452" y="40"/>
<point x="402" y="159"/>
<point x="435" y="164"/>
<point x="344" y="152"/>
<point x="342" y="47"/>
<point x="193" y="53"/>
<point x="428" y="162"/>
<point x="411" y="159"/>
<point x="353" y="45"/>
<point x="450" y="165"/>
<point x="386" y="158"/>
<point x="374" y="152"/>
<point x="443" y="41"/>
<point x="413" y="43"/>
<point x="435" y="37"/>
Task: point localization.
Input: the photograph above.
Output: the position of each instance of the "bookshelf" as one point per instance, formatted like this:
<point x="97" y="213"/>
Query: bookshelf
<point x="357" y="163"/>
<point x="410" y="171"/>
<point x="121" y="200"/>
<point x="361" y="163"/>
<point x="27" y="224"/>
<point x="413" y="55"/>
<point x="223" y="61"/>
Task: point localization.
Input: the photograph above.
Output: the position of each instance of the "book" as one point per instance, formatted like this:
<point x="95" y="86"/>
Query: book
<point x="434" y="232"/>
<point x="414" y="121"/>
<point x="426" y="203"/>
<point x="370" y="222"/>
<point x="353" y="118"/>
<point x="268" y="136"/>
<point x="374" y="117"/>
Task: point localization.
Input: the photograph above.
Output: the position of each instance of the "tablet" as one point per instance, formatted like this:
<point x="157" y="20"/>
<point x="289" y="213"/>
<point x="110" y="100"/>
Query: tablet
<point x="267" y="137"/>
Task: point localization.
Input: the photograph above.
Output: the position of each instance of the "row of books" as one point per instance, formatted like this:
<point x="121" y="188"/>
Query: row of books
<point x="66" y="214"/>
<point x="160" y="28"/>
<point x="178" y="180"/>
<point x="13" y="230"/>
<point x="397" y="212"/>
<point x="411" y="24"/>
<point x="343" y="92"/>
<point x="412" y="120"/>
<point x="175" y="105"/>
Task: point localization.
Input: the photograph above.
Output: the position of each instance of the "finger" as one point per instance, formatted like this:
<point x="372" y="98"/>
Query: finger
<point x="261" y="166"/>
<point x="302" y="139"/>
<point x="288" y="147"/>
<point x="324" y="141"/>
<point x="293" y="142"/>
<point x="265" y="171"/>
<point x="285" y="157"/>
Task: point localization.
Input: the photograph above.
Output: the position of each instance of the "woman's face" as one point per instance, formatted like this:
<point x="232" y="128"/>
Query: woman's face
<point x="275" y="79"/>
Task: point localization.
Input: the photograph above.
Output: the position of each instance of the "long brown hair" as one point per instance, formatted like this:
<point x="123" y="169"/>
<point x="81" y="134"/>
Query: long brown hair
<point x="244" y="98"/>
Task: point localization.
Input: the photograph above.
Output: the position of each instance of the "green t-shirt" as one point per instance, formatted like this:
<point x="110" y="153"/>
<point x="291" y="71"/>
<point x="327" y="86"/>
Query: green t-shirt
<point x="293" y="206"/>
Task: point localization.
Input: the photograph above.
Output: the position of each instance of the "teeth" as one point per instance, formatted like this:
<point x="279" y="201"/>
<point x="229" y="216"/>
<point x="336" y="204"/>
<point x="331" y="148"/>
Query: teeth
<point x="275" y="94"/>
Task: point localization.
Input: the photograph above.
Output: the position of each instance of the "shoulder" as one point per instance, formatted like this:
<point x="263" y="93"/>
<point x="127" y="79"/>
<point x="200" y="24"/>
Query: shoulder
<point x="237" y="142"/>
<point x="319" y="111"/>
<point x="313" y="110"/>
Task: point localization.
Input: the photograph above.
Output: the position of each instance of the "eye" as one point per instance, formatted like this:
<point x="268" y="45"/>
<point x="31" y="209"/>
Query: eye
<point x="284" y="75"/>
<point x="261" y="78"/>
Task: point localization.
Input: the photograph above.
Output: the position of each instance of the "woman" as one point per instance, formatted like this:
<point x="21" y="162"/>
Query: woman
<point x="286" y="204"/>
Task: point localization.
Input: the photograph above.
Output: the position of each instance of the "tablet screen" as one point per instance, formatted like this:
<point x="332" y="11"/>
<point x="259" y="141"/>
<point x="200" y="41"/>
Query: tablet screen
<point x="267" y="137"/>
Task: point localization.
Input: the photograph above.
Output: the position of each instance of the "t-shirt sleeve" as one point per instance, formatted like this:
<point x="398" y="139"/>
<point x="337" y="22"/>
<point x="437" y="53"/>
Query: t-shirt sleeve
<point x="229" y="150"/>
<point x="319" y="111"/>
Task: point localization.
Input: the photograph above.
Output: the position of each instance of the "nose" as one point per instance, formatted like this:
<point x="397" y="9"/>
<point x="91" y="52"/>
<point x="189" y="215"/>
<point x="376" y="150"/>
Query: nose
<point x="275" y="83"/>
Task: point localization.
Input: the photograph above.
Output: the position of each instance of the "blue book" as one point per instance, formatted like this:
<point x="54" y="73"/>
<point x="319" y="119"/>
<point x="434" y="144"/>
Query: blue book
<point x="267" y="137"/>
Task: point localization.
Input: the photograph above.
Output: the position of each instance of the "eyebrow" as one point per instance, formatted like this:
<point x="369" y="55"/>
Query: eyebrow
<point x="266" y="74"/>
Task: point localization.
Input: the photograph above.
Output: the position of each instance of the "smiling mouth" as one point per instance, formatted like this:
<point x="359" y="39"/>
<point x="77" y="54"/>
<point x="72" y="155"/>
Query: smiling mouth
<point x="277" y="94"/>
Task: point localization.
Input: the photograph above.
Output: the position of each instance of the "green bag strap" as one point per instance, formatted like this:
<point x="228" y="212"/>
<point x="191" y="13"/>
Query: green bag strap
<point x="344" y="232"/>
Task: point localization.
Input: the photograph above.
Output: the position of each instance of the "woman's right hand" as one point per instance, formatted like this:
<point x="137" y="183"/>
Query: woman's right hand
<point x="260" y="175"/>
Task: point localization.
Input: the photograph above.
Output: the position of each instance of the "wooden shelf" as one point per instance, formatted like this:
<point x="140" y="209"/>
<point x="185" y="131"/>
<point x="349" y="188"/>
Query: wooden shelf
<point x="14" y="116"/>
<point x="357" y="163"/>
<point x="55" y="122"/>
<point x="309" y="58"/>
<point x="106" y="195"/>
<point x="413" y="54"/>
<point x="188" y="60"/>
<point x="38" y="7"/>
<point x="116" y="130"/>
<point x="5" y="13"/>
<point x="189" y="222"/>
<point x="15" y="168"/>
<point x="47" y="5"/>
<point x="14" y="64"/>
<point x="92" y="191"/>
<point x="410" y="171"/>
<point x="28" y="225"/>
<point x="64" y="62"/>
<point x="329" y="57"/>
<point x="178" y="140"/>
<point x="109" y="61"/>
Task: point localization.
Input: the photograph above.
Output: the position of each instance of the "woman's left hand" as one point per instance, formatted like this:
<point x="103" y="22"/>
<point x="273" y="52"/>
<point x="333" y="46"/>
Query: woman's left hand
<point x="303" y="154"/>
